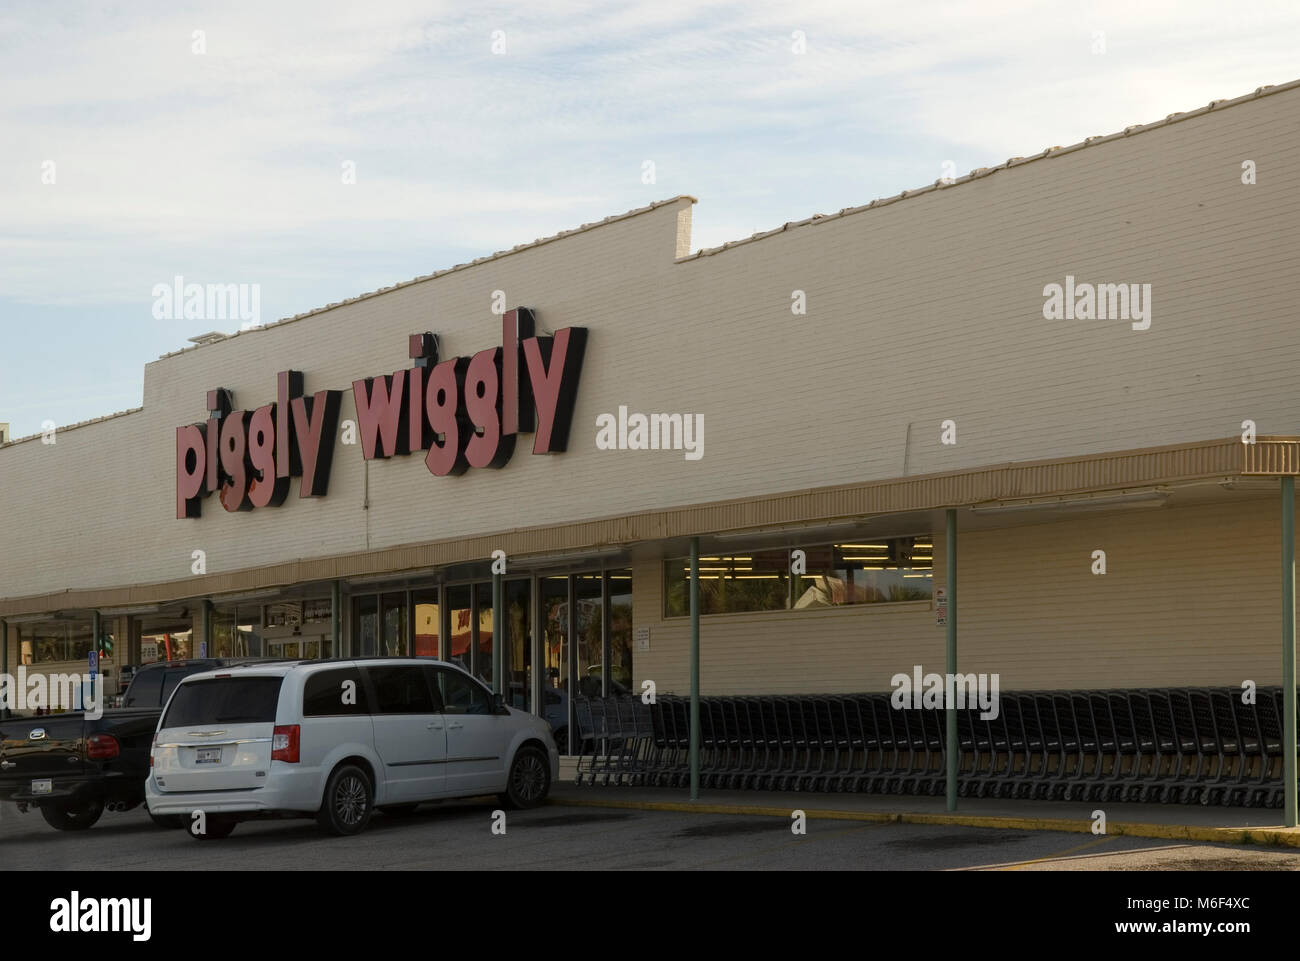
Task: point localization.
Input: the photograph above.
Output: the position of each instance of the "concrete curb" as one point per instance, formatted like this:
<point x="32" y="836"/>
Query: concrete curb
<point x="1271" y="836"/>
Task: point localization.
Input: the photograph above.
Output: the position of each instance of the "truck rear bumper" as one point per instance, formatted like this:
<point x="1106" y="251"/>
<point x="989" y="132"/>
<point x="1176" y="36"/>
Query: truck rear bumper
<point x="72" y="789"/>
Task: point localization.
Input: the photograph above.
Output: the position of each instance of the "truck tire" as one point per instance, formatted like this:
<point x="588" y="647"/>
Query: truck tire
<point x="72" y="815"/>
<point x="529" y="780"/>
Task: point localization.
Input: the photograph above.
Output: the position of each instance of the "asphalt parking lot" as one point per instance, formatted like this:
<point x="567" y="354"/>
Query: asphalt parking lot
<point x="458" y="835"/>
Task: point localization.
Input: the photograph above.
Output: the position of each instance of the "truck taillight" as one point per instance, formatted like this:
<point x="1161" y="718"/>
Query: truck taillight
<point x="284" y="744"/>
<point x="102" y="747"/>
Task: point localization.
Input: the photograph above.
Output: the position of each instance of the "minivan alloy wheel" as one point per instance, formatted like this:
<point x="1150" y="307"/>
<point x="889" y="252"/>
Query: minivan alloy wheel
<point x="529" y="776"/>
<point x="529" y="780"/>
<point x="350" y="800"/>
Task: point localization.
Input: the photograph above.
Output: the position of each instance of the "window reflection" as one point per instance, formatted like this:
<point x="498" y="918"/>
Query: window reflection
<point x="458" y="599"/>
<point x="427" y="623"/>
<point x="486" y="630"/>
<point x="620" y="628"/>
<point x="365" y="624"/>
<point x="393" y="641"/>
<point x="587" y="630"/>
<point x="866" y="571"/>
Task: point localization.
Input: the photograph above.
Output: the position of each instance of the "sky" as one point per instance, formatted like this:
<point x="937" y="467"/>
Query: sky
<point x="151" y="140"/>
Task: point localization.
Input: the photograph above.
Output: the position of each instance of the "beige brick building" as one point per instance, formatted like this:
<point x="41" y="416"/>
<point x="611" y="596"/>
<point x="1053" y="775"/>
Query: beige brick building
<point x="829" y="360"/>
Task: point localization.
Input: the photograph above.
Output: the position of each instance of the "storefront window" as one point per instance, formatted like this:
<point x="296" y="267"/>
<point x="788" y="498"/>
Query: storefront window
<point x="393" y="641"/>
<point x="620" y="628"/>
<point x="56" y="640"/>
<point x="756" y="580"/>
<point x="293" y="628"/>
<point x="555" y="632"/>
<point x="587" y="631"/>
<point x="555" y="657"/>
<point x="166" y="646"/>
<point x="236" y="632"/>
<point x="517" y="611"/>
<point x="870" y="571"/>
<point x="427" y="623"/>
<point x="486" y="630"/>
<point x="462" y="627"/>
<point x="365" y="624"/>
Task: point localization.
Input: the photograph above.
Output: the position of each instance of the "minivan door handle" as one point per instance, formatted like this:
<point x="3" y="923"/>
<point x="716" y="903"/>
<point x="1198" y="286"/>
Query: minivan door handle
<point x="454" y="727"/>
<point x="434" y="726"/>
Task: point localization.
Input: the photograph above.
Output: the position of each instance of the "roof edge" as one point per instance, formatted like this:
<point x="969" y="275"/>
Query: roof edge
<point x="64" y="428"/>
<point x="478" y="261"/>
<point x="981" y="172"/>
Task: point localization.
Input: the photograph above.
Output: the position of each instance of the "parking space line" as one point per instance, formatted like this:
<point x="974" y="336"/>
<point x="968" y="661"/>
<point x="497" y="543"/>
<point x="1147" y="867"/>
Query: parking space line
<point x="1059" y="854"/>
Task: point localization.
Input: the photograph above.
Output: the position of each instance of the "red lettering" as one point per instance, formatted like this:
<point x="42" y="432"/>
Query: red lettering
<point x="288" y="464"/>
<point x="419" y="436"/>
<point x="554" y="365"/>
<point x="441" y="401"/>
<point x="517" y="413"/>
<point x="265" y="489"/>
<point x="316" y="439"/>
<point x="234" y="461"/>
<point x="381" y="415"/>
<point x="487" y="446"/>
<point x="465" y="412"/>
<point x="191" y="469"/>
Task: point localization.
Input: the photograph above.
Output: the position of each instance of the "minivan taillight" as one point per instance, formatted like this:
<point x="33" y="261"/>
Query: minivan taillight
<point x="152" y="747"/>
<point x="102" y="747"/>
<point x="284" y="744"/>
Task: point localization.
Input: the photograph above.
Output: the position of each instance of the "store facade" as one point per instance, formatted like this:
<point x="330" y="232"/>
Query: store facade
<point x="808" y="403"/>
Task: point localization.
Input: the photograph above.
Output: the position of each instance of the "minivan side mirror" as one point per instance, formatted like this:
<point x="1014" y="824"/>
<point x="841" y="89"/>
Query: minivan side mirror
<point x="499" y="704"/>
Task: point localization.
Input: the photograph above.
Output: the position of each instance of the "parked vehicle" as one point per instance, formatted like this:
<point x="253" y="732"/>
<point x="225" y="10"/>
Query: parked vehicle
<point x="336" y="740"/>
<point x="73" y="768"/>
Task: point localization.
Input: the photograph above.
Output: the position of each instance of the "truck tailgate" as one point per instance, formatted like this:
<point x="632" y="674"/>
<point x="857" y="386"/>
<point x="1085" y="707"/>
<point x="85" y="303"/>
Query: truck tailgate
<point x="37" y="750"/>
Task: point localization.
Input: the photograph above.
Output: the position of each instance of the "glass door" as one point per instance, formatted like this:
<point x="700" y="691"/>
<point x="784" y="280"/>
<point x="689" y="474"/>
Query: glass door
<point x="485" y="632"/>
<point x="393" y="642"/>
<point x="461" y="628"/>
<point x="516" y="604"/>
<point x="428" y="622"/>
<point x="554" y="593"/>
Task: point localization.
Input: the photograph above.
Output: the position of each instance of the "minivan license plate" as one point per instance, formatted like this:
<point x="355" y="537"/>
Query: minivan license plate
<point x="208" y="755"/>
<point x="42" y="787"/>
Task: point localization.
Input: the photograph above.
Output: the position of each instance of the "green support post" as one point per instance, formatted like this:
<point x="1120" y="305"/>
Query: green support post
<point x="1288" y="649"/>
<point x="4" y="663"/>
<point x="950" y="561"/>
<point x="208" y="646"/>
<point x="498" y="638"/>
<point x="96" y="625"/>
<point x="695" y="668"/>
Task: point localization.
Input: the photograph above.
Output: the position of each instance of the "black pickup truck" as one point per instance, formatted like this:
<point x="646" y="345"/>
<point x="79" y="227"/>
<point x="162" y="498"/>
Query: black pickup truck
<point x="73" y="768"/>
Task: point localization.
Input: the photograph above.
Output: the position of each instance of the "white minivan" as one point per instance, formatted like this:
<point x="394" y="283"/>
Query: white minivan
<point x="335" y="740"/>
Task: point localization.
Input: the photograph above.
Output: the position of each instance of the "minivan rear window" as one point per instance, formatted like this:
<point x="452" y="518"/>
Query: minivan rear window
<point x="224" y="700"/>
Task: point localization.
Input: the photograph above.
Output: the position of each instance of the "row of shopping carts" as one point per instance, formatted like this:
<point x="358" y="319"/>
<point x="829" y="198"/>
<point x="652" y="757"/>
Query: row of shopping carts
<point x="1167" y="745"/>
